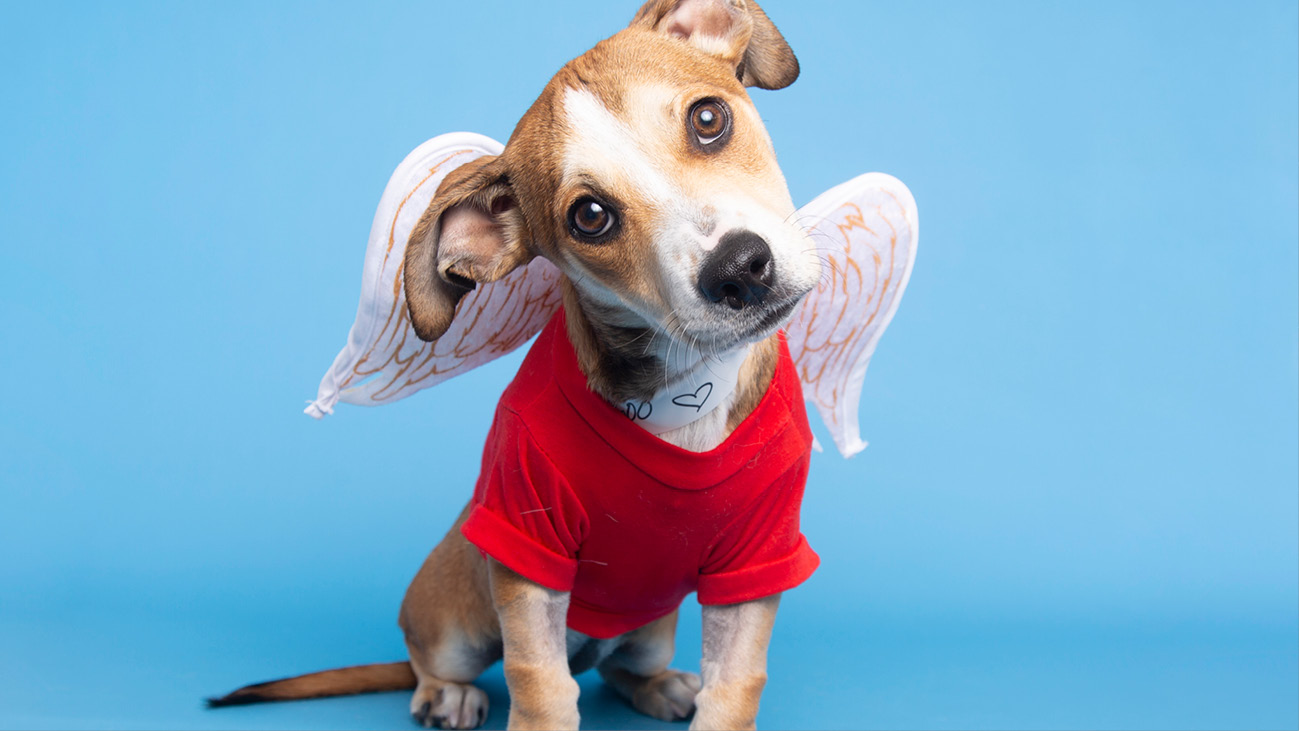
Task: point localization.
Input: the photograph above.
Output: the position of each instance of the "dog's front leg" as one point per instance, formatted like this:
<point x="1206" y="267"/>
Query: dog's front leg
<point x="543" y="694"/>
<point x="734" y="666"/>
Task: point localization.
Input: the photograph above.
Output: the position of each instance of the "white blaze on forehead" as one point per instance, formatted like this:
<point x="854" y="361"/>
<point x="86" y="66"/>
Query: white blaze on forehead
<point x="604" y="147"/>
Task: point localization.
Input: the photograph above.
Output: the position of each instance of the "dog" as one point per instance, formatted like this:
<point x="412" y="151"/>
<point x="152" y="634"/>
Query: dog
<point x="643" y="172"/>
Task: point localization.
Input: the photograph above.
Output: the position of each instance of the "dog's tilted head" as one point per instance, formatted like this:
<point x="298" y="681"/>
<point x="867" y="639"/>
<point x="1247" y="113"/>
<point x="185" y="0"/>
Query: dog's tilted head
<point x="643" y="171"/>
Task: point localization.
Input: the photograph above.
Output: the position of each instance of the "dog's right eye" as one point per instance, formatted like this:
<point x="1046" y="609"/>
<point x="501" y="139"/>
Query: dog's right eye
<point x="591" y="220"/>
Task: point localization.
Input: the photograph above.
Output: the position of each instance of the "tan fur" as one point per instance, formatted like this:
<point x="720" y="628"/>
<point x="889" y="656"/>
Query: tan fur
<point x="755" y="376"/>
<point x="762" y="57"/>
<point x="464" y="624"/>
<point x="543" y="694"/>
<point x="463" y="612"/>
<point x="440" y="268"/>
<point x="638" y="671"/>
<point x="734" y="665"/>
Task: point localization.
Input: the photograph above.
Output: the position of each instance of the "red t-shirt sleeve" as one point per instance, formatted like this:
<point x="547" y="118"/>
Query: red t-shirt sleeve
<point x="763" y="552"/>
<point x="525" y="515"/>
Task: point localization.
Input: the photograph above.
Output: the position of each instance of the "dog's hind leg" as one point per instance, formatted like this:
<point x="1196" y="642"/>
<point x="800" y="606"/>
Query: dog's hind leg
<point x="447" y="703"/>
<point x="639" y="671"/>
<point x="452" y="634"/>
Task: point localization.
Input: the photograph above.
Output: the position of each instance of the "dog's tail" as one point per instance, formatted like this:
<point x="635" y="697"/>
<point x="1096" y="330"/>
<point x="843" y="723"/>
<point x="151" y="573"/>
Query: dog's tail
<point x="340" y="681"/>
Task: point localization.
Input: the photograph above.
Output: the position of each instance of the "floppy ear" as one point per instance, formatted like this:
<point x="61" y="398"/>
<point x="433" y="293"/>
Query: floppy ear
<point x="736" y="31"/>
<point x="472" y="233"/>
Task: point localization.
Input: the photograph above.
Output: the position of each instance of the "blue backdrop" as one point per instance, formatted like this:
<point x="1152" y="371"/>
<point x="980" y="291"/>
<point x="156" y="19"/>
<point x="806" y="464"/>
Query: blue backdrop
<point x="1079" y="507"/>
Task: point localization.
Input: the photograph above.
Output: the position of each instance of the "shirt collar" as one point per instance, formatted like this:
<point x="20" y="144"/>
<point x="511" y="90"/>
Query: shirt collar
<point x="690" y="398"/>
<point x="667" y="462"/>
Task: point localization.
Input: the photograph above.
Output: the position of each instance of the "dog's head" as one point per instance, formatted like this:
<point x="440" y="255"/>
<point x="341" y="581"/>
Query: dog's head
<point x="644" y="173"/>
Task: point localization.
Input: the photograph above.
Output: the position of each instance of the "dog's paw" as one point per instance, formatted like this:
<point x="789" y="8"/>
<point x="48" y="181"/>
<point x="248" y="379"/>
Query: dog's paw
<point x="668" y="696"/>
<point x="449" y="705"/>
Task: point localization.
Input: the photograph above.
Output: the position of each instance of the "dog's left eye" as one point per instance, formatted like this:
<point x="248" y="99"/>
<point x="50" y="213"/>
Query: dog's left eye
<point x="710" y="124"/>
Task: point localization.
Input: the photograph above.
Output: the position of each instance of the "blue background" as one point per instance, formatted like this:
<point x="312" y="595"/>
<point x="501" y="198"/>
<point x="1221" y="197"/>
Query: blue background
<point x="1079" y="507"/>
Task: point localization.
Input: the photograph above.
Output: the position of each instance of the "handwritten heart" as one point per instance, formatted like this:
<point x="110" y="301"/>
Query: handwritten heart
<point x="695" y="400"/>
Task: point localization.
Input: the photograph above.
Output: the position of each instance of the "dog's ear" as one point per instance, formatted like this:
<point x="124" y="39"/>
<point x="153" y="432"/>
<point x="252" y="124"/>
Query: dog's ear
<point x="736" y="31"/>
<point x="471" y="233"/>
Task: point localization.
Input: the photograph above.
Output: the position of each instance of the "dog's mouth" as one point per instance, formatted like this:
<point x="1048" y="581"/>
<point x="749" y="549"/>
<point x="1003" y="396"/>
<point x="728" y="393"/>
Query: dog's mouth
<point x="766" y="325"/>
<point x="778" y="316"/>
<point x="771" y="321"/>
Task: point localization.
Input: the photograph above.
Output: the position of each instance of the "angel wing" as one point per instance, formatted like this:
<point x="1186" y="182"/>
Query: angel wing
<point x="866" y="231"/>
<point x="384" y="361"/>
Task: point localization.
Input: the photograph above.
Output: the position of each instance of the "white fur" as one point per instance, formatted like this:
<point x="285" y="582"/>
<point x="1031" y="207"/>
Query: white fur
<point x="604" y="147"/>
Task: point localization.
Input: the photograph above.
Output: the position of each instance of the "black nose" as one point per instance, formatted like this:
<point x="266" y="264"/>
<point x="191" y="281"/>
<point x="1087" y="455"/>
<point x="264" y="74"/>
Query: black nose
<point x="739" y="272"/>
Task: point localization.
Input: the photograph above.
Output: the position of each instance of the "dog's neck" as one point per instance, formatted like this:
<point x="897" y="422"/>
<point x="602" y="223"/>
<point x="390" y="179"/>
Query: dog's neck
<point x="633" y="364"/>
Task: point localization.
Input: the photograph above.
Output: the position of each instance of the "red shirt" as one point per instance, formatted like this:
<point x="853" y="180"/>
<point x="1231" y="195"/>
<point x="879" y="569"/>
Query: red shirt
<point x="576" y="497"/>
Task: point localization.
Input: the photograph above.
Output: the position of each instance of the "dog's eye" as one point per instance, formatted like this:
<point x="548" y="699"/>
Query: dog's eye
<point x="591" y="220"/>
<point x="710" y="124"/>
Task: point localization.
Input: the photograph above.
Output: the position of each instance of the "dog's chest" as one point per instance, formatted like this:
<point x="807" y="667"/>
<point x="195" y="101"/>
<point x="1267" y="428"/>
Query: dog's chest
<point x="705" y="433"/>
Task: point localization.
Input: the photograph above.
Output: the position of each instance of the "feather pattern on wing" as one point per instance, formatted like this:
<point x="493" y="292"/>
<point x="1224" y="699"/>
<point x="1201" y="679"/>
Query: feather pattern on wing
<point x="384" y="360"/>
<point x="865" y="231"/>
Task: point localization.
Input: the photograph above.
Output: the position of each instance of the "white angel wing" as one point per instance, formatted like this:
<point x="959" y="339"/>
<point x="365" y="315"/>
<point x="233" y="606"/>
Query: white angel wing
<point x="384" y="360"/>
<point x="866" y="231"/>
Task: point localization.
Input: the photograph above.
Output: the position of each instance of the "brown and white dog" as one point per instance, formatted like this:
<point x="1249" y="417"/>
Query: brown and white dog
<point x="644" y="173"/>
